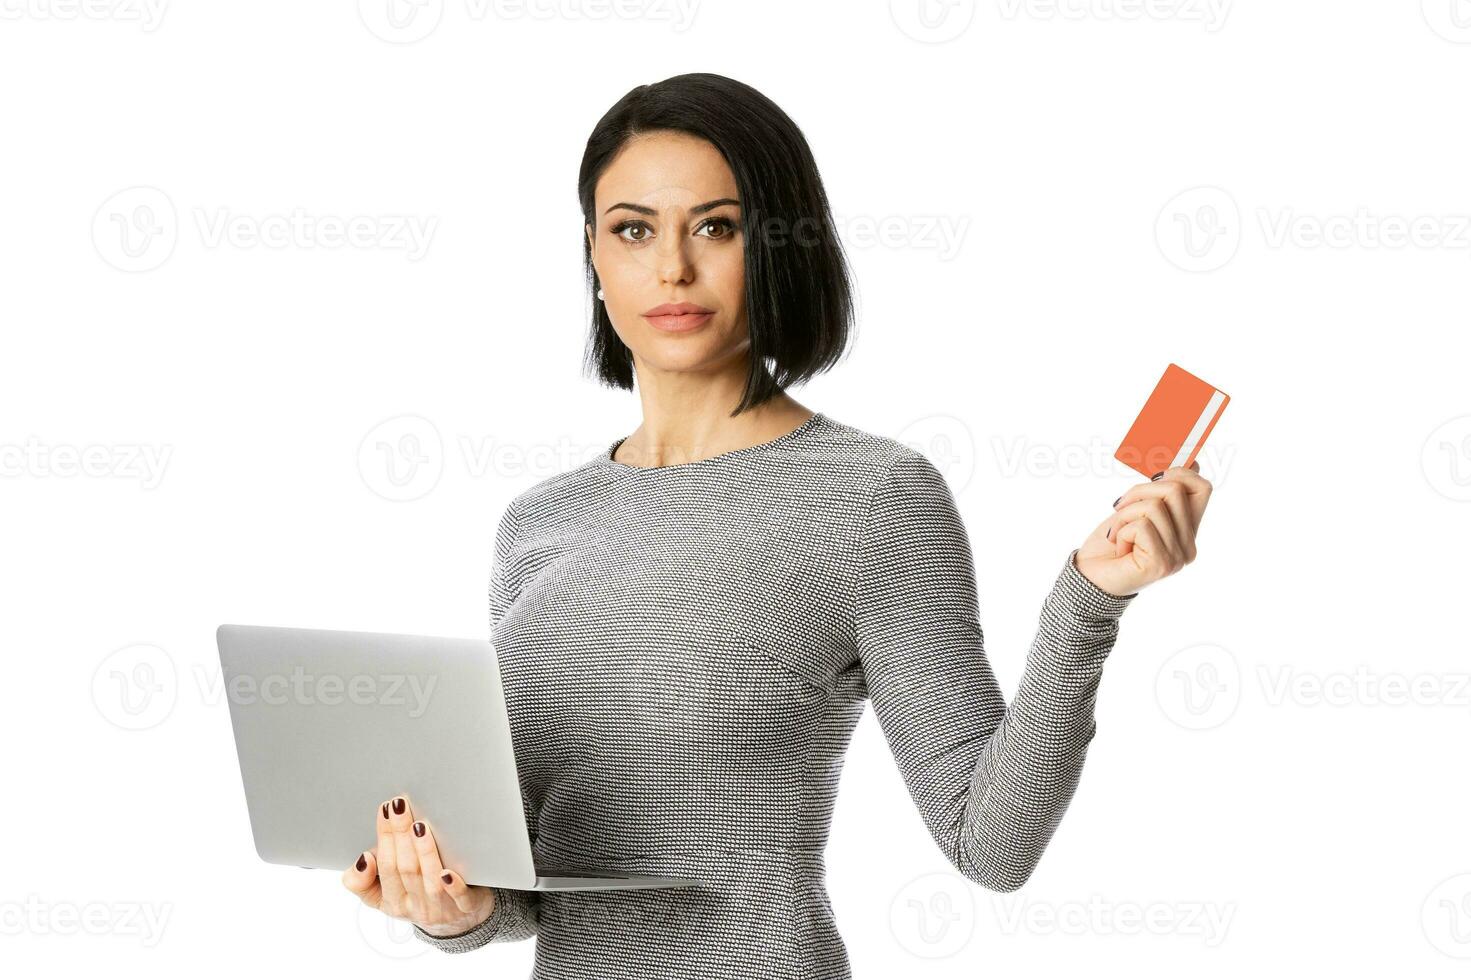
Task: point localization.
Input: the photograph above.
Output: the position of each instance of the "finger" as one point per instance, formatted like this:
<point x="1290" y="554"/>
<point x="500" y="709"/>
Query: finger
<point x="1155" y="511"/>
<point x="1142" y="538"/>
<point x="1176" y="498"/>
<point x="1196" y="489"/>
<point x="401" y="819"/>
<point x="361" y="879"/>
<point x="387" y="854"/>
<point x="459" y="891"/>
<point x="433" y="868"/>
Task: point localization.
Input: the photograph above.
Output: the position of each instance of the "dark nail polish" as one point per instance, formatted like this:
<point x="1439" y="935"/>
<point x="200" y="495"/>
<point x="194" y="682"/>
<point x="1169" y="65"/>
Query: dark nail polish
<point x="1116" y="501"/>
<point x="385" y="811"/>
<point x="1108" y="534"/>
<point x="398" y="804"/>
<point x="362" y="862"/>
<point x="418" y="829"/>
<point x="1158" y="475"/>
<point x="449" y="879"/>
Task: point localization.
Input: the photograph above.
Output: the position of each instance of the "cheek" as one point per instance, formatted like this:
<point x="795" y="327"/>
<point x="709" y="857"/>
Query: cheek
<point x="729" y="270"/>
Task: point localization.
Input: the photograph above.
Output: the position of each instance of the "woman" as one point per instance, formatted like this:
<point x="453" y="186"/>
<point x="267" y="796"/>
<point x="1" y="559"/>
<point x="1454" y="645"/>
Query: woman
<point x="689" y="624"/>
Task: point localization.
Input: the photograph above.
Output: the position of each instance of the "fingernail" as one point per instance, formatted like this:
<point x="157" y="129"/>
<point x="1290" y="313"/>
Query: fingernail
<point x="362" y="862"/>
<point x="398" y="804"/>
<point x="1157" y="475"/>
<point x="1108" y="534"/>
<point x="449" y="879"/>
<point x="1116" y="501"/>
<point x="385" y="811"/>
<point x="418" y="829"/>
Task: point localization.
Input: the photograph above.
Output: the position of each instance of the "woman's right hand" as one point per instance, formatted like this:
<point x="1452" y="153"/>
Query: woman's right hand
<point x="403" y="877"/>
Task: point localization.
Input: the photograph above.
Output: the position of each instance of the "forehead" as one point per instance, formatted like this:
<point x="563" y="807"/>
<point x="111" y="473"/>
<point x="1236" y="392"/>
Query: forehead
<point x="665" y="168"/>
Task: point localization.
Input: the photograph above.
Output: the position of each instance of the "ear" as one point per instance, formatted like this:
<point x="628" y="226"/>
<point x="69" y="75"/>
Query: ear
<point x="591" y="242"/>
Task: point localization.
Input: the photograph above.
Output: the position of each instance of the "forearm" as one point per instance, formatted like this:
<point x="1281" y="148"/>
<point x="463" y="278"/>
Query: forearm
<point x="1027" y="774"/>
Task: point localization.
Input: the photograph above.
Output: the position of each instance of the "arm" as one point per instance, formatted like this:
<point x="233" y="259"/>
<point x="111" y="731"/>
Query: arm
<point x="514" y="916"/>
<point x="991" y="781"/>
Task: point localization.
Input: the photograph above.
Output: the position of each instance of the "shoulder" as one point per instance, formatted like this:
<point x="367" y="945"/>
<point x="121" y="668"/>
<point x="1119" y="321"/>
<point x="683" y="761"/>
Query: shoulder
<point x="883" y="463"/>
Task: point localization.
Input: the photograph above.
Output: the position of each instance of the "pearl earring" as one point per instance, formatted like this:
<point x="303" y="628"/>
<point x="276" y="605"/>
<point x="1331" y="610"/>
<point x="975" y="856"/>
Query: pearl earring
<point x="600" y="292"/>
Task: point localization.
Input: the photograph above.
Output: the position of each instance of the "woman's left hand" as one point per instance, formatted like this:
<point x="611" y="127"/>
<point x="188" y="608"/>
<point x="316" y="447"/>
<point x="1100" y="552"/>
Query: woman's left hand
<point x="1150" y="534"/>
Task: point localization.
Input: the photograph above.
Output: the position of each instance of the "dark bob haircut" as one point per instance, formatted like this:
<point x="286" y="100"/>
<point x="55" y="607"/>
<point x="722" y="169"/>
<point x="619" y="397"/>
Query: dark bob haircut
<point x="798" y="289"/>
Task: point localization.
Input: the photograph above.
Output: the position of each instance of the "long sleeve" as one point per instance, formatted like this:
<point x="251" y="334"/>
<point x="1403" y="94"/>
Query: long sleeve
<point x="515" y="914"/>
<point x="991" y="781"/>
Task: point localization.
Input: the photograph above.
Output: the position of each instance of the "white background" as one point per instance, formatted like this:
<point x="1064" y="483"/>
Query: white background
<point x="1278" y="779"/>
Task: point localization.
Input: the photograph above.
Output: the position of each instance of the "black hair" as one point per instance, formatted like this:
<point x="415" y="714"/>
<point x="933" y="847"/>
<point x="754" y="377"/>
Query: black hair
<point x="798" y="287"/>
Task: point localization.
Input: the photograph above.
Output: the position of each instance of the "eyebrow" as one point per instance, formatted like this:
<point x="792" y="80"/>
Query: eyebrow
<point x="697" y="209"/>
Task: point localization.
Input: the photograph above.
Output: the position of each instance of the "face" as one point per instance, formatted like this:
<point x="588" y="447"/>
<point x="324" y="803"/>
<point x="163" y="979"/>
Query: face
<point x="667" y="248"/>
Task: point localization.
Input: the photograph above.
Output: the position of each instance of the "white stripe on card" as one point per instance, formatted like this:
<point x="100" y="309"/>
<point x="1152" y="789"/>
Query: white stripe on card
<point x="1212" y="409"/>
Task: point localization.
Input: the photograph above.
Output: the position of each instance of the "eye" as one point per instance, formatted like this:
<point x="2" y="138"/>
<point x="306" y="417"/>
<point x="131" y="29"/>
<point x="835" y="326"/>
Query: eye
<point x="633" y="225"/>
<point x="726" y="226"/>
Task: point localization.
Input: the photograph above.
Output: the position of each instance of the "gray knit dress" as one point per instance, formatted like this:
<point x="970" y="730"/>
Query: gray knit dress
<point x="686" y="650"/>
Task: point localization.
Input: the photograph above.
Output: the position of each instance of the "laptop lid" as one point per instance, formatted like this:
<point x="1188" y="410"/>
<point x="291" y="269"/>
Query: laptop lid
<point x="330" y="723"/>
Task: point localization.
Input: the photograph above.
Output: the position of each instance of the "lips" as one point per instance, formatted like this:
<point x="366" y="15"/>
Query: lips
<point x="678" y="317"/>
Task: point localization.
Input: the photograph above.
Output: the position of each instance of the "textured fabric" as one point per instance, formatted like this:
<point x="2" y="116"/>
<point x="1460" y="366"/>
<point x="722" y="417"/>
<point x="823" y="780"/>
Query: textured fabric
<point x="686" y="650"/>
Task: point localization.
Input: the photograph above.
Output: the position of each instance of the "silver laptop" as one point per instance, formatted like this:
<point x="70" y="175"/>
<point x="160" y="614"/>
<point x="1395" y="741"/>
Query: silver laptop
<point x="329" y="724"/>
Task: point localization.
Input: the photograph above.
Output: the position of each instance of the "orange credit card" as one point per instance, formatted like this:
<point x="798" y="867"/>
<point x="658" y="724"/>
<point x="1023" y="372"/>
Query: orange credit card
<point x="1173" y="424"/>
